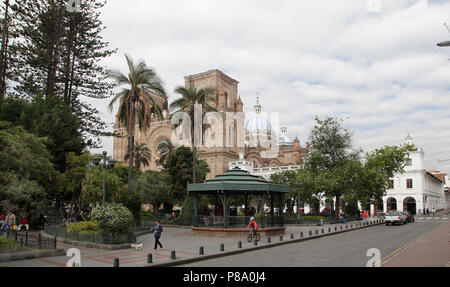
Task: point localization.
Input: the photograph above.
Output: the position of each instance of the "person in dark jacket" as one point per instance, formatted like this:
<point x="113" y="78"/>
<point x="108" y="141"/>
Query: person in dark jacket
<point x="158" y="229"/>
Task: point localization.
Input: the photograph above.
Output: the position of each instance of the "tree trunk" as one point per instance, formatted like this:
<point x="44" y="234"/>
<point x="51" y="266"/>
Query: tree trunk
<point x="337" y="206"/>
<point x="131" y="146"/>
<point x="4" y="52"/>
<point x="194" y="152"/>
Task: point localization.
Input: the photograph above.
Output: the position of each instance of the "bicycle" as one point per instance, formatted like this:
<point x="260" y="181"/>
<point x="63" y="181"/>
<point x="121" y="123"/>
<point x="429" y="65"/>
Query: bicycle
<point x="253" y="235"/>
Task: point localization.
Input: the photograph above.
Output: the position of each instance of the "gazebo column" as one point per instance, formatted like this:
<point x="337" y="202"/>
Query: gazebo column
<point x="246" y="204"/>
<point x="225" y="210"/>
<point x="194" y="212"/>
<point x="271" y="204"/>
<point x="262" y="209"/>
<point x="280" y="196"/>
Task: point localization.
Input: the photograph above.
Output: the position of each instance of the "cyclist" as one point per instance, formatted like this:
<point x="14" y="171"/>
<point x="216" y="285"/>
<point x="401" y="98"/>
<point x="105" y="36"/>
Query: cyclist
<point x="252" y="225"/>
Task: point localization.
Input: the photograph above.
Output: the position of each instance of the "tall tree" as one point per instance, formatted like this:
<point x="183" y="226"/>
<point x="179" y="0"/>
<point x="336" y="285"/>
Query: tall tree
<point x="135" y="101"/>
<point x="57" y="52"/>
<point x="190" y="97"/>
<point x="142" y="155"/>
<point x="4" y="59"/>
<point x="330" y="151"/>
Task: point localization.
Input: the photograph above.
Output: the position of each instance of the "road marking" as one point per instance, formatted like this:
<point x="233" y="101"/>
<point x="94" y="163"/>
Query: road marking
<point x="404" y="247"/>
<point x="437" y="218"/>
<point x="445" y="218"/>
<point x="420" y="218"/>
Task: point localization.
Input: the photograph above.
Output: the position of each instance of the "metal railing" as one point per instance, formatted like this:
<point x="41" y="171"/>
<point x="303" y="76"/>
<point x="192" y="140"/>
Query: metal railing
<point x="236" y="221"/>
<point x="24" y="241"/>
<point x="90" y="236"/>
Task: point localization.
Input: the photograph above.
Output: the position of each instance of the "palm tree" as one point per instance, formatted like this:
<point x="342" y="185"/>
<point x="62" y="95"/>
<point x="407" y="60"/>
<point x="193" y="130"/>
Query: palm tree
<point x="135" y="101"/>
<point x="189" y="98"/>
<point x="141" y="154"/>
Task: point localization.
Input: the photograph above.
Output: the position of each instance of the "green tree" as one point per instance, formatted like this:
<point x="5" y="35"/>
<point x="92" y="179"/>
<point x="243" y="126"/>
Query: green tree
<point x="142" y="155"/>
<point x="179" y="167"/>
<point x="154" y="188"/>
<point x="190" y="97"/>
<point x="49" y="117"/>
<point x="57" y="52"/>
<point x="135" y="100"/>
<point x="330" y="151"/>
<point x="76" y="170"/>
<point x="28" y="179"/>
<point x="289" y="178"/>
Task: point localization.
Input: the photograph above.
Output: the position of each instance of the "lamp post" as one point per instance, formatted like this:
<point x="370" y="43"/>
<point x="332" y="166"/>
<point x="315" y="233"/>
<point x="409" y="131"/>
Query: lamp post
<point x="105" y="164"/>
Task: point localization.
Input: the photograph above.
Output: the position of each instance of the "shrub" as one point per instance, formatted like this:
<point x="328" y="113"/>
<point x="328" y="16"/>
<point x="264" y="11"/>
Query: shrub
<point x="83" y="226"/>
<point x="113" y="218"/>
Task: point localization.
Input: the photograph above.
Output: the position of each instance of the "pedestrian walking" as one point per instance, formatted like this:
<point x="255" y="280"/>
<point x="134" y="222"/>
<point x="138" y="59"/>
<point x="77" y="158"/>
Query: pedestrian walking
<point x="158" y="229"/>
<point x="12" y="221"/>
<point x="364" y="216"/>
<point x="7" y="220"/>
<point x="424" y="212"/>
<point x="428" y="212"/>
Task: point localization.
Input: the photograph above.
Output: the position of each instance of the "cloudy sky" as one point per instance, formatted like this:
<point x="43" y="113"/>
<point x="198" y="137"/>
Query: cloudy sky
<point x="376" y="66"/>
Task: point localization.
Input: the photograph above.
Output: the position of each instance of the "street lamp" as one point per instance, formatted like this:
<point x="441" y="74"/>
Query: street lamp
<point x="105" y="164"/>
<point x="445" y="43"/>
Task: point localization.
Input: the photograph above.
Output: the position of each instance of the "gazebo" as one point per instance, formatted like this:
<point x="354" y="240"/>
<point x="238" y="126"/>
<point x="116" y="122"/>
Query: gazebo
<point x="232" y="183"/>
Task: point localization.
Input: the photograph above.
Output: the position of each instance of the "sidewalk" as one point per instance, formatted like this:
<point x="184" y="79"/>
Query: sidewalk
<point x="185" y="245"/>
<point x="429" y="250"/>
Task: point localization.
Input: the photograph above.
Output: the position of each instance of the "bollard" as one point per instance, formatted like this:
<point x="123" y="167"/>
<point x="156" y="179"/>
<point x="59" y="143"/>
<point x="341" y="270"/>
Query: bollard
<point x="149" y="258"/>
<point x="323" y="230"/>
<point x="222" y="247"/>
<point x="54" y="242"/>
<point x="239" y="244"/>
<point x="341" y="227"/>
<point x="7" y="233"/>
<point x="317" y="231"/>
<point x="26" y="238"/>
<point x="200" y="250"/>
<point x="281" y="237"/>
<point x="172" y="254"/>
<point x="93" y="236"/>
<point x="335" y="228"/>
<point x="15" y="235"/>
<point x="116" y="262"/>
<point x="292" y="236"/>
<point x="21" y="243"/>
<point x="310" y="233"/>
<point x="66" y="233"/>
<point x="269" y="240"/>
<point x="301" y="234"/>
<point x="329" y="229"/>
<point x="346" y="226"/>
<point x="39" y="241"/>
<point x="351" y="225"/>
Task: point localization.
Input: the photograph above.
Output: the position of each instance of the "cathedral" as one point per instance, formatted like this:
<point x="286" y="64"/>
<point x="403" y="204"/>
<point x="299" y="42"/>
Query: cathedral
<point x="226" y="135"/>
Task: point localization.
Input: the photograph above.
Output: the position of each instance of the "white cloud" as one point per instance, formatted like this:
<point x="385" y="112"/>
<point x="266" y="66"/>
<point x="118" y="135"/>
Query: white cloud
<point x="381" y="72"/>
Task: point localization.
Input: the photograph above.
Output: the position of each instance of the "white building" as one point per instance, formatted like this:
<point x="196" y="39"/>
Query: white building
<point x="416" y="189"/>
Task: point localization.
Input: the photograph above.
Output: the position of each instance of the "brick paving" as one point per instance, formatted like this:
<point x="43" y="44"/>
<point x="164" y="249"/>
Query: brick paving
<point x="182" y="240"/>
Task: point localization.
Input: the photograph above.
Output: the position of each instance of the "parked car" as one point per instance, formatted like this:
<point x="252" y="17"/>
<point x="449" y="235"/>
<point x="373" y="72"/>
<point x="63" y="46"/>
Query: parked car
<point x="395" y="217"/>
<point x="409" y="216"/>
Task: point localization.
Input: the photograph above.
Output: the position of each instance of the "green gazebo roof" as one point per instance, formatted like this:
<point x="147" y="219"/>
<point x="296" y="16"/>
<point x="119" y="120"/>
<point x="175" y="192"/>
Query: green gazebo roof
<point x="237" y="180"/>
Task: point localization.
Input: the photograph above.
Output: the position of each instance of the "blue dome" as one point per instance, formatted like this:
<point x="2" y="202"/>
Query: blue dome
<point x="284" y="140"/>
<point x="257" y="122"/>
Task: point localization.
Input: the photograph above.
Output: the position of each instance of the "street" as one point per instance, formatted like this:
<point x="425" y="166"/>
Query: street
<point x="341" y="250"/>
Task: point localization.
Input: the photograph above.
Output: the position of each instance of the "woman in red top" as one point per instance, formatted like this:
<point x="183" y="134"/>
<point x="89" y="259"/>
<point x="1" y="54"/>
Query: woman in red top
<point x="23" y="222"/>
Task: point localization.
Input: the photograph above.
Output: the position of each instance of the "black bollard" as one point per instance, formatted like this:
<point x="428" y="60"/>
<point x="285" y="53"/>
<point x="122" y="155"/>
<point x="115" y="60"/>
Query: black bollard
<point x="323" y="231"/>
<point x="116" y="262"/>
<point x="39" y="241"/>
<point x="26" y="238"/>
<point x="317" y="231"/>
<point x="301" y="234"/>
<point x="15" y="235"/>
<point x="149" y="258"/>
<point x="200" y="250"/>
<point x="269" y="240"/>
<point x="21" y="243"/>
<point x="239" y="244"/>
<point x="281" y="237"/>
<point x="54" y="242"/>
<point x="222" y="247"/>
<point x="292" y="236"/>
<point x="329" y="229"/>
<point x="172" y="254"/>
<point x="310" y="233"/>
